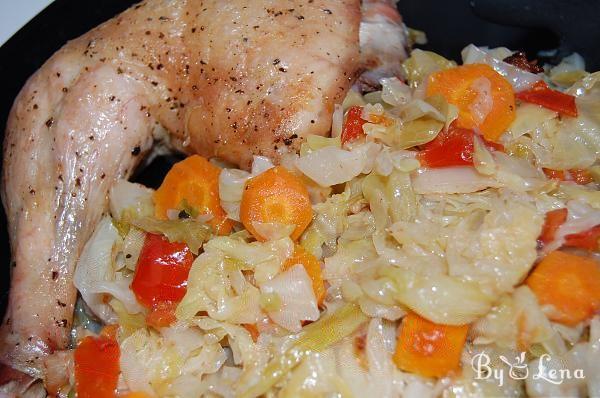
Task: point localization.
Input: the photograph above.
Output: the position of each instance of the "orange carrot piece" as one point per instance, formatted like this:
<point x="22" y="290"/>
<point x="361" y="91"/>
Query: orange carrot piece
<point x="554" y="219"/>
<point x="193" y="181"/>
<point x="313" y="268"/>
<point x="276" y="196"/>
<point x="429" y="349"/>
<point x="464" y="85"/>
<point x="97" y="367"/>
<point x="162" y="314"/>
<point x="570" y="284"/>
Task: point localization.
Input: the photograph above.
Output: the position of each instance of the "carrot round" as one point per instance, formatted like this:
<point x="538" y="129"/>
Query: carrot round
<point x="570" y="284"/>
<point x="193" y="183"/>
<point x="313" y="268"/>
<point x="276" y="196"/>
<point x="429" y="349"/>
<point x="97" y="367"/>
<point x="466" y="87"/>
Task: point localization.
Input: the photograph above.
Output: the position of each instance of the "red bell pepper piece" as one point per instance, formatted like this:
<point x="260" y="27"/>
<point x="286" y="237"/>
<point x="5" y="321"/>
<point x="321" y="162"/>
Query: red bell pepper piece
<point x="162" y="271"/>
<point x="451" y="147"/>
<point x="97" y="367"/>
<point x="353" y="127"/>
<point x="541" y="94"/>
<point x="585" y="240"/>
<point x="554" y="219"/>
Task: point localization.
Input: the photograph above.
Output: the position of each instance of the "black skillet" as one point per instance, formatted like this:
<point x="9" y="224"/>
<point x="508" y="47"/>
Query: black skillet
<point x="529" y="25"/>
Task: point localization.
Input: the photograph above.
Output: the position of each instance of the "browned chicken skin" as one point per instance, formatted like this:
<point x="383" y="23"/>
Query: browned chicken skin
<point x="230" y="79"/>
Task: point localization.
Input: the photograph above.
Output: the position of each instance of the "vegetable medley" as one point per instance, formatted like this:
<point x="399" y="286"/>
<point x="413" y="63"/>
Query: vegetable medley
<point x="454" y="212"/>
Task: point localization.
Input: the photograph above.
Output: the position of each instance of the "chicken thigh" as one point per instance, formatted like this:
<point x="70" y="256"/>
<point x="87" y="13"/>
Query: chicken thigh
<point x="230" y="79"/>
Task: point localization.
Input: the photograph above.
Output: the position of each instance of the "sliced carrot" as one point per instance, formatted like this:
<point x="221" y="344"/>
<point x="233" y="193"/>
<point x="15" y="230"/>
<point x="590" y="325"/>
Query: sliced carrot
<point x="313" y="268"/>
<point x="353" y="126"/>
<point x="464" y="86"/>
<point x="588" y="240"/>
<point x="276" y="196"/>
<point x="429" y="349"/>
<point x="252" y="329"/>
<point x="554" y="219"/>
<point x="570" y="284"/>
<point x="162" y="314"/>
<point x="194" y="183"/>
<point x="543" y="95"/>
<point x="97" y="367"/>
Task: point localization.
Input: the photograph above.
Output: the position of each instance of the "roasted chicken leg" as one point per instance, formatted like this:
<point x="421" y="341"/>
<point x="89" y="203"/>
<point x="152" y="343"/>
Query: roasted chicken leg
<point x="220" y="78"/>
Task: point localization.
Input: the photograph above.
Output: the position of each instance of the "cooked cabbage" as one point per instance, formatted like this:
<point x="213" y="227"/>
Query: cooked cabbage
<point x="188" y="231"/>
<point x="217" y="286"/>
<point x="496" y="248"/>
<point x="95" y="275"/>
<point x="331" y="166"/>
<point x="440" y="298"/>
<point x="421" y="64"/>
<point x="128" y="199"/>
<point x="516" y="322"/>
<point x="298" y="302"/>
<point x="449" y="180"/>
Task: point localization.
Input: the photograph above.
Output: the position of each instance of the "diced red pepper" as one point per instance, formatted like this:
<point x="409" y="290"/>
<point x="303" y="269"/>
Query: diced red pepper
<point x="353" y="127"/>
<point x="97" y="367"/>
<point x="162" y="271"/>
<point x="451" y="147"/>
<point x="585" y="240"/>
<point x="554" y="219"/>
<point x="557" y="101"/>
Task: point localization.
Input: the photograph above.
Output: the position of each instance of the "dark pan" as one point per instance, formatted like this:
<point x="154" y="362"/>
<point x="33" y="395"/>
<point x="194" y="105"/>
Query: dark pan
<point x="530" y="25"/>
